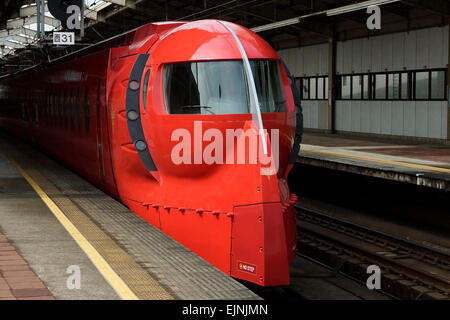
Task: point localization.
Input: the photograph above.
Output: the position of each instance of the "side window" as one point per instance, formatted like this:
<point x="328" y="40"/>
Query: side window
<point x="63" y="109"/>
<point x="86" y="109"/>
<point x="145" y="89"/>
<point x="55" y="106"/>
<point x="62" y="97"/>
<point x="72" y="111"/>
<point x="52" y="107"/>
<point x="79" y="109"/>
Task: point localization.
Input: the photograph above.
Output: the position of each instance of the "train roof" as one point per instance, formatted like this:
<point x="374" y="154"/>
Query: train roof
<point x="124" y="39"/>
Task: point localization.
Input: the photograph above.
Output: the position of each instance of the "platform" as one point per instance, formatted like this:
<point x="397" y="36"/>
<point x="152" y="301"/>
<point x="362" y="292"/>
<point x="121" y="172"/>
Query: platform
<point x="17" y="280"/>
<point x="420" y="164"/>
<point x="57" y="221"/>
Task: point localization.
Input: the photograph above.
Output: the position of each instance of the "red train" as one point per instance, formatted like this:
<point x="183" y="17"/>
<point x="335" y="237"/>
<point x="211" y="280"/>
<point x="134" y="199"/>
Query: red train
<point x="126" y="113"/>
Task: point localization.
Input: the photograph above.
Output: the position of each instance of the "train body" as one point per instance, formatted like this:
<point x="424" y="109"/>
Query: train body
<point x="139" y="114"/>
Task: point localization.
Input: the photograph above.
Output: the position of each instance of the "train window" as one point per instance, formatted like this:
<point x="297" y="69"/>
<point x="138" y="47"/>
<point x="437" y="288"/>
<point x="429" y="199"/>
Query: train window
<point x="72" y="110"/>
<point x="268" y="85"/>
<point x="438" y="85"/>
<point x="219" y="87"/>
<point x="55" y="103"/>
<point x="66" y="105"/>
<point x="62" y="101"/>
<point x="145" y="89"/>
<point x="79" y="109"/>
<point x="58" y="102"/>
<point x="48" y="106"/>
<point x="52" y="106"/>
<point x="86" y="109"/>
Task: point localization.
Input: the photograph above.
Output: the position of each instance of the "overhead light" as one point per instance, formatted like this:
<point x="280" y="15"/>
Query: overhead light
<point x="358" y="6"/>
<point x="331" y="12"/>
<point x="275" y="25"/>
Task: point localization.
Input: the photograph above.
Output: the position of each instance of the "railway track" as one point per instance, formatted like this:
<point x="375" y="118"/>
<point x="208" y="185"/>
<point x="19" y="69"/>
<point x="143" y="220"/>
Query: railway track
<point x="410" y="270"/>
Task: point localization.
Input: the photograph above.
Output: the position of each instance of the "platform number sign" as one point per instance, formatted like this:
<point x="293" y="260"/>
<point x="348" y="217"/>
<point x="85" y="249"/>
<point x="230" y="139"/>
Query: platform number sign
<point x="64" y="38"/>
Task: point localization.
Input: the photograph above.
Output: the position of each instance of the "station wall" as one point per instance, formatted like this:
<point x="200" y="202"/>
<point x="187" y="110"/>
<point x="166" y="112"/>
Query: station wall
<point x="310" y="61"/>
<point x="415" y="50"/>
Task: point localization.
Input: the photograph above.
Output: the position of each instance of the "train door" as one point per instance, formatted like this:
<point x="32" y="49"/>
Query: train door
<point x="99" y="132"/>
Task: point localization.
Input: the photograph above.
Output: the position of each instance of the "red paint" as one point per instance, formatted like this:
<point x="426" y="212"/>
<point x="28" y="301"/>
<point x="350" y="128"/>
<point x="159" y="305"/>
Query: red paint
<point x="227" y="214"/>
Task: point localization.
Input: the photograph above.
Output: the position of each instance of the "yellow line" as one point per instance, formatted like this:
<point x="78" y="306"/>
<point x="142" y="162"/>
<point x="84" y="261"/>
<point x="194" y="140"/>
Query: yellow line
<point x="103" y="267"/>
<point x="396" y="163"/>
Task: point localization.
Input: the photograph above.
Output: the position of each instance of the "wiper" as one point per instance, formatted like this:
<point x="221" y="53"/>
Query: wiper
<point x="198" y="107"/>
<point x="195" y="106"/>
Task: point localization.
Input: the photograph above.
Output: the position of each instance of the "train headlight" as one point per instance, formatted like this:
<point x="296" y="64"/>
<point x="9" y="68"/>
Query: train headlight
<point x="134" y="85"/>
<point x="132" y="115"/>
<point x="140" y="145"/>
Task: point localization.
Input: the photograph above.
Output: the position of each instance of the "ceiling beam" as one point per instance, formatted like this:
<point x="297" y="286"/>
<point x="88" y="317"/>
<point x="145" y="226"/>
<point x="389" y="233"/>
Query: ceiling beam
<point x="11" y="44"/>
<point x="20" y="22"/>
<point x="440" y="7"/>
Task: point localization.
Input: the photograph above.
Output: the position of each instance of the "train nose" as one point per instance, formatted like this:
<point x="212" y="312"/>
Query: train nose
<point x="259" y="245"/>
<point x="263" y="233"/>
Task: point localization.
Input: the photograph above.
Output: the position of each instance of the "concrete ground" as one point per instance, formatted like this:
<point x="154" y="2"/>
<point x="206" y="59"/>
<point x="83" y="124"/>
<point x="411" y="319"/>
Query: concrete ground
<point x="60" y="224"/>
<point x="42" y="240"/>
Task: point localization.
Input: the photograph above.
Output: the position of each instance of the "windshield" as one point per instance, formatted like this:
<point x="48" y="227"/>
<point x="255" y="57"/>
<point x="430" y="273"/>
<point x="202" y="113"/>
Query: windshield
<point x="219" y="87"/>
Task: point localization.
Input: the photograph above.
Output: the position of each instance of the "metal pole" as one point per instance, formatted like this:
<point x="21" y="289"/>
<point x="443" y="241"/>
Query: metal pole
<point x="448" y="85"/>
<point x="82" y="20"/>
<point x="332" y="87"/>
<point x="38" y="27"/>
<point x="43" y="19"/>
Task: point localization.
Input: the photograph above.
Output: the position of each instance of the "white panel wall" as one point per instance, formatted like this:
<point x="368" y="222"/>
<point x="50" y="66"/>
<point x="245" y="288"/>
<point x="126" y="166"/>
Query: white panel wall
<point x="306" y="61"/>
<point x="420" y="49"/>
<point x="426" y="119"/>
<point x="315" y="114"/>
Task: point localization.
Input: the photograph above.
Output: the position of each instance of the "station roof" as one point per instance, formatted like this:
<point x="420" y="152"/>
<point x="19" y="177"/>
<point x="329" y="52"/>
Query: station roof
<point x="283" y="23"/>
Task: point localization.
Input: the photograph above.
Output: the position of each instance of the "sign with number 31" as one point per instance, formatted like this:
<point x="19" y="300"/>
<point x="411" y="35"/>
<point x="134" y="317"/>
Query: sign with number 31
<point x="64" y="38"/>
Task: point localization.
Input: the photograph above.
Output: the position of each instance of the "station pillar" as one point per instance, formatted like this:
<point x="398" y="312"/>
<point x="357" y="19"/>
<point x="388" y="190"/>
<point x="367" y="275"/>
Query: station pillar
<point x="448" y="86"/>
<point x="332" y="88"/>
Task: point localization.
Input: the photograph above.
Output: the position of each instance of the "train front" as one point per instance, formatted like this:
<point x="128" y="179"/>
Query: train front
<point x="213" y="126"/>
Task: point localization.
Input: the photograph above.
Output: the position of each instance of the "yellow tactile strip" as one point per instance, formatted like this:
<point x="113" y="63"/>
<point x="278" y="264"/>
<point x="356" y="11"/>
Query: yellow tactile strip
<point x="129" y="279"/>
<point x="388" y="162"/>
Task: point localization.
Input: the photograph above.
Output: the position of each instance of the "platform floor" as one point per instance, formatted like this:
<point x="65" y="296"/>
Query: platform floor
<point x="57" y="220"/>
<point x="17" y="280"/>
<point x="420" y="164"/>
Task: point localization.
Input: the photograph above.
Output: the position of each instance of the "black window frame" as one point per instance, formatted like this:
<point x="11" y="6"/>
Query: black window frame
<point x="78" y="110"/>
<point x="145" y="87"/>
<point x="410" y="90"/>
<point x="299" y="84"/>
<point x="72" y="110"/>
<point x="86" y="110"/>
